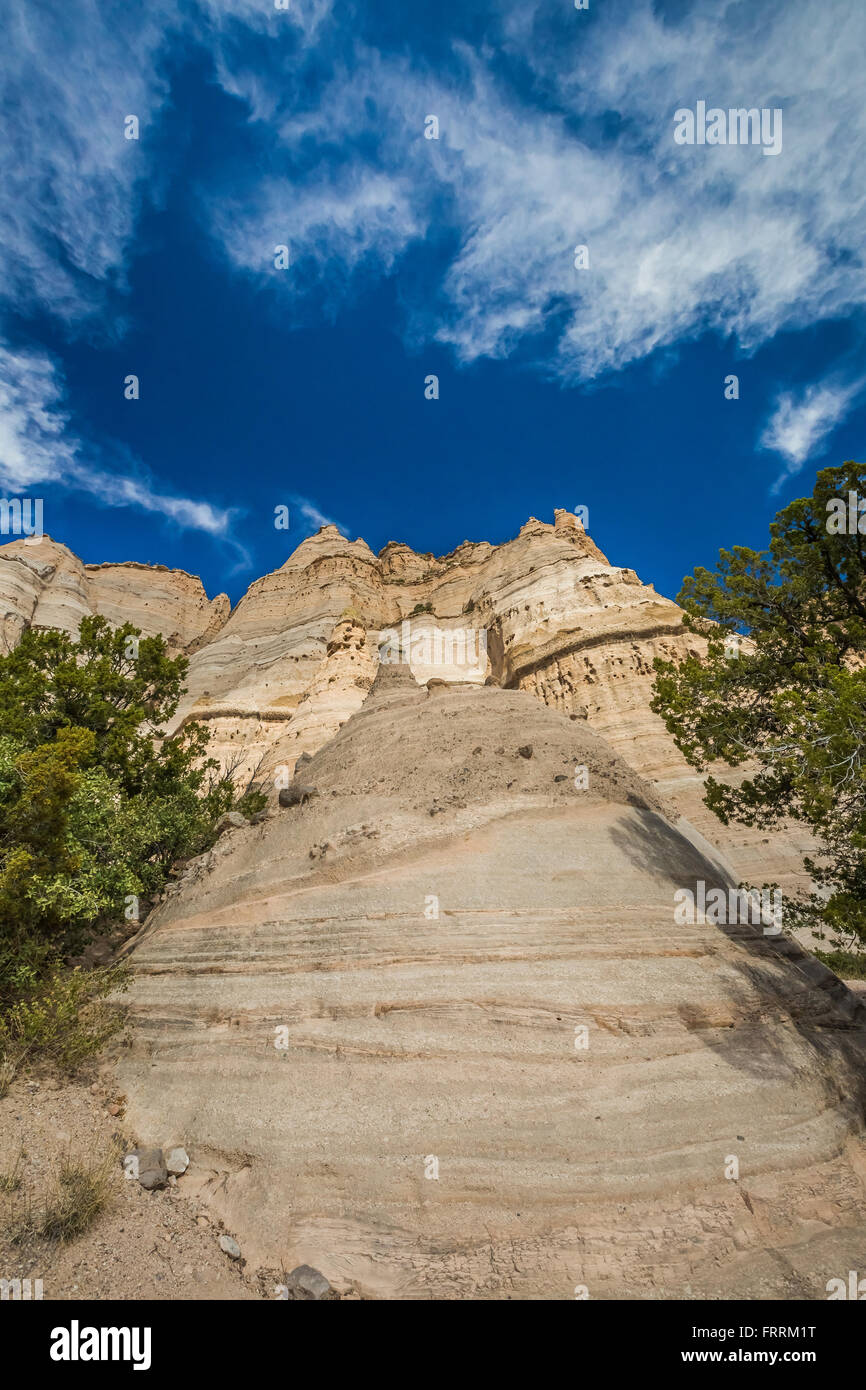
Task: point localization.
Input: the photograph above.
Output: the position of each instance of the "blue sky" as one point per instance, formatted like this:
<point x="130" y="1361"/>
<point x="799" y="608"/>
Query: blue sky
<point x="409" y="257"/>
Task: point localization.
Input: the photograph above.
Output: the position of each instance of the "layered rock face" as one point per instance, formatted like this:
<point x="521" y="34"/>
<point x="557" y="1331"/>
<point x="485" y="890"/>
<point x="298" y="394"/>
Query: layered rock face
<point x="438" y="1032"/>
<point x="278" y="676"/>
<point x="42" y="584"/>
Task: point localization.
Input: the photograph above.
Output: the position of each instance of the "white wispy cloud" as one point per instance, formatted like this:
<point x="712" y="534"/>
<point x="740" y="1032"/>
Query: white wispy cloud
<point x="70" y="192"/>
<point x="34" y="446"/>
<point x="314" y="516"/>
<point x="682" y="240"/>
<point x="306" y="15"/>
<point x="801" y="422"/>
<point x="331" y="224"/>
<point x="40" y="449"/>
<point x="70" y="183"/>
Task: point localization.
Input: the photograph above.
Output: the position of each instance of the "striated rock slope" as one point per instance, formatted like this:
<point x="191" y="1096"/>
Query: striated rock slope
<point x="437" y="1033"/>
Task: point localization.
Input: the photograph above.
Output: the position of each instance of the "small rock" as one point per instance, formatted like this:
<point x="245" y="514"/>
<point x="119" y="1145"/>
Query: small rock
<point x="525" y="751"/>
<point x="298" y="794"/>
<point x="560" y="777"/>
<point x="308" y="1283"/>
<point x="151" y="1171"/>
<point x="232" y="820"/>
<point x="231" y="1247"/>
<point x="94" y="1089"/>
<point x="177" y="1161"/>
<point x="114" y="1109"/>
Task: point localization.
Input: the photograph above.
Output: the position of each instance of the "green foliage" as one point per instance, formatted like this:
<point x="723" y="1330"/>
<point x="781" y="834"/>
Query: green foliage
<point x="792" y="704"/>
<point x="848" y="965"/>
<point x="95" y="805"/>
<point x="251" y="803"/>
<point x="109" y="681"/>
<point x="65" y="1018"/>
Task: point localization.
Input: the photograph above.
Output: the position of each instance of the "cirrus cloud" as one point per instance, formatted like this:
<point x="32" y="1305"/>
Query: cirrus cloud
<point x="801" y="422"/>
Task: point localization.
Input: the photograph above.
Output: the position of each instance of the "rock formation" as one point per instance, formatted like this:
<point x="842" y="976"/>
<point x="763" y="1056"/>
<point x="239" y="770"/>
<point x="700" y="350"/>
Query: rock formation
<point x="42" y="584"/>
<point x="438" y="1032"/>
<point x="278" y="675"/>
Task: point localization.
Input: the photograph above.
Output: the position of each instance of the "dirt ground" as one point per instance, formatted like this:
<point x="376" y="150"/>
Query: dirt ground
<point x="144" y="1245"/>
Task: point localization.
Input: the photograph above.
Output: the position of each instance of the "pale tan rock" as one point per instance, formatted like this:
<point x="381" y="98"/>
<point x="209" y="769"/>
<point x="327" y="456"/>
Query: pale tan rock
<point x="156" y="599"/>
<point x="42" y="584"/>
<point x="278" y="675"/>
<point x="473" y="1055"/>
<point x="427" y="938"/>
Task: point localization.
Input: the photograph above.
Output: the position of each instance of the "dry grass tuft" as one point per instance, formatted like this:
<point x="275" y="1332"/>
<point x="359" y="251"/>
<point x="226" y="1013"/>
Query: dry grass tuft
<point x="77" y="1197"/>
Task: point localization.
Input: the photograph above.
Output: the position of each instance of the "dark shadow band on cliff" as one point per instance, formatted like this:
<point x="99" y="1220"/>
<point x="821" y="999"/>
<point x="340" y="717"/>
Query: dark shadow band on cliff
<point x="824" y="1012"/>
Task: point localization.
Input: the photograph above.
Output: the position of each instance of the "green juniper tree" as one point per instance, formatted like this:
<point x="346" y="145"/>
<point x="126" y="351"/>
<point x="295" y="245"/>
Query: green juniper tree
<point x="782" y="689"/>
<point x="95" y="804"/>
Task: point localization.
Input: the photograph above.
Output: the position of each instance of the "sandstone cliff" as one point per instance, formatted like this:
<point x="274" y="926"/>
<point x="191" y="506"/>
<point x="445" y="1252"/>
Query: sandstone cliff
<point x="438" y="1032"/>
<point x="439" y="1035"/>
<point x="277" y="676"/>
<point x="42" y="584"/>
